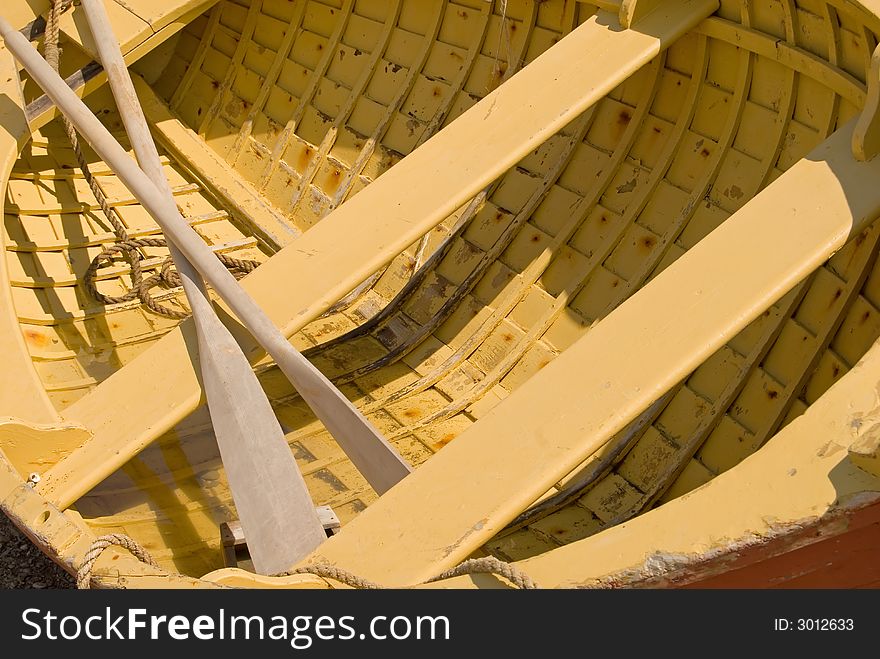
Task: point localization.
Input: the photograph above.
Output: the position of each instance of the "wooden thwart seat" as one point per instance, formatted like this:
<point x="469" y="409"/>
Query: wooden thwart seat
<point x="378" y="223"/>
<point x="543" y="430"/>
<point x="140" y="26"/>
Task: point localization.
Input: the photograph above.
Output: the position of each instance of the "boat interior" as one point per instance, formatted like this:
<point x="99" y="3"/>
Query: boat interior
<point x="273" y="116"/>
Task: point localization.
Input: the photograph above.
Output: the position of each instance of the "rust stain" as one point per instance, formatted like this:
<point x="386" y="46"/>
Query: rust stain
<point x="333" y="181"/>
<point x="443" y="441"/>
<point x="36" y="339"/>
<point x="304" y="159"/>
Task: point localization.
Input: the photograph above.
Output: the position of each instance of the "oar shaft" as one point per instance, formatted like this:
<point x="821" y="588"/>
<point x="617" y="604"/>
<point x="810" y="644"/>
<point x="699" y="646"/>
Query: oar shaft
<point x="138" y="131"/>
<point x="377" y="460"/>
<point x="270" y="494"/>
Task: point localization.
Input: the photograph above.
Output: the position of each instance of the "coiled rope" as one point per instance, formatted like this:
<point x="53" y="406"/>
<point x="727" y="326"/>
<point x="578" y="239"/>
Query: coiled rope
<point x="488" y="565"/>
<point x="125" y="246"/>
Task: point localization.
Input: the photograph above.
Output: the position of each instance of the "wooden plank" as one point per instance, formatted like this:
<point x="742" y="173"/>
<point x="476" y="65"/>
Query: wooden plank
<point x="133" y="21"/>
<point x="571" y="407"/>
<point x="21" y="391"/>
<point x="239" y="196"/>
<point x="137" y="37"/>
<point x="633" y="11"/>
<point x="372" y="228"/>
<point x="866" y="138"/>
<point x="371" y="453"/>
<point x="270" y="494"/>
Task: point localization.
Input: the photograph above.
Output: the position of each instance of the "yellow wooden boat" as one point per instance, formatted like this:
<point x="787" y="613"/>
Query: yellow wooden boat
<point x="604" y="274"/>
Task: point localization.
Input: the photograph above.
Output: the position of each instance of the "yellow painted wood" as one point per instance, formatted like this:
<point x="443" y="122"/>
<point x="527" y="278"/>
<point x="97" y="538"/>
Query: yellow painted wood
<point x="21" y="392"/>
<point x="466" y="315"/>
<point x="158" y="15"/>
<point x="29" y="447"/>
<point x="865" y="452"/>
<point x="797" y="58"/>
<point x="128" y="430"/>
<point x="133" y="21"/>
<point x="795" y="480"/>
<point x="137" y="39"/>
<point x="702" y="300"/>
<point x="249" y="207"/>
<point x="131" y="28"/>
<point x="632" y="11"/>
<point x="866" y="138"/>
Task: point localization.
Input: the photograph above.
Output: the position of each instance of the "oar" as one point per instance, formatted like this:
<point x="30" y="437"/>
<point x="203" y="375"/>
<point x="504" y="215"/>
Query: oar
<point x="271" y="497"/>
<point x="371" y="453"/>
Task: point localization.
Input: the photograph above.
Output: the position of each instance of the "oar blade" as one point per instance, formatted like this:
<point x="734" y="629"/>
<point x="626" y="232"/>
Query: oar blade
<point x="270" y="494"/>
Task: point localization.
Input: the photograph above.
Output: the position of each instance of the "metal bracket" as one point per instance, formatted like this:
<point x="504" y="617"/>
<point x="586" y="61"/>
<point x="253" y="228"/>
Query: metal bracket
<point x="866" y="136"/>
<point x="235" y="550"/>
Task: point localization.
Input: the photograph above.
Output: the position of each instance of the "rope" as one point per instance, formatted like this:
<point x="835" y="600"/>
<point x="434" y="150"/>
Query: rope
<point x="84" y="573"/>
<point x="335" y="573"/>
<point x="489" y="565"/>
<point x="125" y="247"/>
<point x="128" y="249"/>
